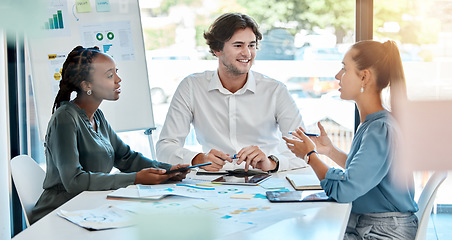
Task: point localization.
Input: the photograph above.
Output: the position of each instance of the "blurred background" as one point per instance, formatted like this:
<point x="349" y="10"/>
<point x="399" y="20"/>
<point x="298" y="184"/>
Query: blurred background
<point x="303" y="44"/>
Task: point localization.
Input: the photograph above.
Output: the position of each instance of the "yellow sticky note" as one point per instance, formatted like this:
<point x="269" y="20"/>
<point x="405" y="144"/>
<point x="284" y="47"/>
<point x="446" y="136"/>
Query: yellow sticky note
<point x="208" y="184"/>
<point x="242" y="196"/>
<point x="83" y="6"/>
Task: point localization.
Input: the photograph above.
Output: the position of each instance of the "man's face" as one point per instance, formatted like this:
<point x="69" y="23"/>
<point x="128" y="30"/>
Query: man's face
<point x="238" y="53"/>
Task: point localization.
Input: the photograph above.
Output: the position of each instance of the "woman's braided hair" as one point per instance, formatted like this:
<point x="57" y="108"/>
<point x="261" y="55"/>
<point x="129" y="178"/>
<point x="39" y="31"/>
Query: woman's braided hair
<point x="76" y="69"/>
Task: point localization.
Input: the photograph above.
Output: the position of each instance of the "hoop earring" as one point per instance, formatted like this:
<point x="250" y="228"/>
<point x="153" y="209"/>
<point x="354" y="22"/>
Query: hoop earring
<point x="362" y="90"/>
<point x="89" y="92"/>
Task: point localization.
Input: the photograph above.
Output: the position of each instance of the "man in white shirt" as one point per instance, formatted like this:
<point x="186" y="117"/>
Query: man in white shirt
<point x="234" y="111"/>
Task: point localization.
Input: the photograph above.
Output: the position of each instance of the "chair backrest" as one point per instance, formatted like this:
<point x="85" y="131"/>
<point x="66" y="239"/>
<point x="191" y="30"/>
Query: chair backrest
<point x="425" y="202"/>
<point x="28" y="177"/>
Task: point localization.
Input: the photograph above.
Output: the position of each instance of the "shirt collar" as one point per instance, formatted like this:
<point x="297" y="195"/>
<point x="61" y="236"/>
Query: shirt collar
<point x="215" y="83"/>
<point x="81" y="111"/>
<point x="376" y="115"/>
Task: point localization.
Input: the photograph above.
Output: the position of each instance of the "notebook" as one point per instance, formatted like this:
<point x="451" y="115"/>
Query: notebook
<point x="304" y="181"/>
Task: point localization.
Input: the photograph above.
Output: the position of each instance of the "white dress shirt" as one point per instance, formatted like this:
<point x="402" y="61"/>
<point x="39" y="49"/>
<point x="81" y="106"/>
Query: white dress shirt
<point x="257" y="114"/>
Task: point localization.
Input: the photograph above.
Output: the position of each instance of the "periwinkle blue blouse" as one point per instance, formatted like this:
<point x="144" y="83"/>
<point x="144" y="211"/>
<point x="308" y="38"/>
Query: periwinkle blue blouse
<point x="367" y="181"/>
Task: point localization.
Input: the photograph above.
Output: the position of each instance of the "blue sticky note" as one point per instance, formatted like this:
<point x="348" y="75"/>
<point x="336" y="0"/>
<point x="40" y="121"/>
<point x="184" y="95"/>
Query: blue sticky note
<point x="258" y="195"/>
<point x="103" y="5"/>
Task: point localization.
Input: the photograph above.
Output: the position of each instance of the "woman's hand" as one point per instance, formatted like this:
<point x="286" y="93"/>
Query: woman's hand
<point x="151" y="176"/>
<point x="322" y="142"/>
<point x="179" y="175"/>
<point x="301" y="144"/>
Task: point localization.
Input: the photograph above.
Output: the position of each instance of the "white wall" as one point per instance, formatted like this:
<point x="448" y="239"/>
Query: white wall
<point x="5" y="229"/>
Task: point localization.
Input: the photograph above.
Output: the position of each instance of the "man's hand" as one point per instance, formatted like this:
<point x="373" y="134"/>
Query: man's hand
<point x="217" y="158"/>
<point x="253" y="155"/>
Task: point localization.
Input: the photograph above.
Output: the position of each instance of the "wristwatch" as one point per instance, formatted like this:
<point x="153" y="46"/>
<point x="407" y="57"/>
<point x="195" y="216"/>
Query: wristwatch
<point x="276" y="160"/>
<point x="306" y="157"/>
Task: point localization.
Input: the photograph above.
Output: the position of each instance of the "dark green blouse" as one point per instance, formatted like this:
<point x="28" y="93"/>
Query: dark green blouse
<point x="80" y="159"/>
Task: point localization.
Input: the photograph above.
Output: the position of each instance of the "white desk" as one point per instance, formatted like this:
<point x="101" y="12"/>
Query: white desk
<point x="319" y="220"/>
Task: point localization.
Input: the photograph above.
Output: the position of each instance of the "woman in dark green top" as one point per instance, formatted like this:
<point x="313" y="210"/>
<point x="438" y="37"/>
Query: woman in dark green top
<point x="81" y="147"/>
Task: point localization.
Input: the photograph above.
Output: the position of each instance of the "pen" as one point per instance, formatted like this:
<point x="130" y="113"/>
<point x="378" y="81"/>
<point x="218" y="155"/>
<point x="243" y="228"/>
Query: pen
<point x="308" y="134"/>
<point x="233" y="157"/>
<point x="190" y="186"/>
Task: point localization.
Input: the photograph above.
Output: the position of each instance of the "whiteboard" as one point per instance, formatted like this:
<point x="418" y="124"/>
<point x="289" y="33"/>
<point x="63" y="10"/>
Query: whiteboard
<point x="112" y="25"/>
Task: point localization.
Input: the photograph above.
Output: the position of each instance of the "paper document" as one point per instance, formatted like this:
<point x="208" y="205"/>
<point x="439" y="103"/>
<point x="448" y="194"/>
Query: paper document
<point x="146" y="192"/>
<point x="104" y="217"/>
<point x="149" y="191"/>
<point x="132" y="193"/>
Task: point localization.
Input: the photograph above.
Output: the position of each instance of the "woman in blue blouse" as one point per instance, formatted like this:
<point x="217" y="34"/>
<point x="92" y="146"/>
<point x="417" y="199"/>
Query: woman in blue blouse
<point x="381" y="207"/>
<point x="81" y="148"/>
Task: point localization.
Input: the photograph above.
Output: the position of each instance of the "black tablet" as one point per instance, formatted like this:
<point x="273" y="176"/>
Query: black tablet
<point x="298" y="196"/>
<point x="242" y="180"/>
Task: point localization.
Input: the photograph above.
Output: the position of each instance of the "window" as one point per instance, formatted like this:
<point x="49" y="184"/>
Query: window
<point x="423" y="32"/>
<point x="304" y="52"/>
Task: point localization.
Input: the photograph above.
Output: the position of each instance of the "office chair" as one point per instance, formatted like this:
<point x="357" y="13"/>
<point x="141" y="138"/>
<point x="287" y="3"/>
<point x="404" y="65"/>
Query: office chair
<point x="426" y="201"/>
<point x="28" y="177"/>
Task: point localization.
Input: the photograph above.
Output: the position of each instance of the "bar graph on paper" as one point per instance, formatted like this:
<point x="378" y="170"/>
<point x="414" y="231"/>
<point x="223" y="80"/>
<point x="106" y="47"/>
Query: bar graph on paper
<point x="55" y="21"/>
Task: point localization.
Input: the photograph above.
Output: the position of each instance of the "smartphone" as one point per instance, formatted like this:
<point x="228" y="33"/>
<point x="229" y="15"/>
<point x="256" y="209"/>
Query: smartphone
<point x="298" y="196"/>
<point x="186" y="168"/>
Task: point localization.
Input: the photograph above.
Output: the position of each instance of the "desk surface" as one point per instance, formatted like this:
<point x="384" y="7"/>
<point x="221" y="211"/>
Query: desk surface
<point x="309" y="220"/>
